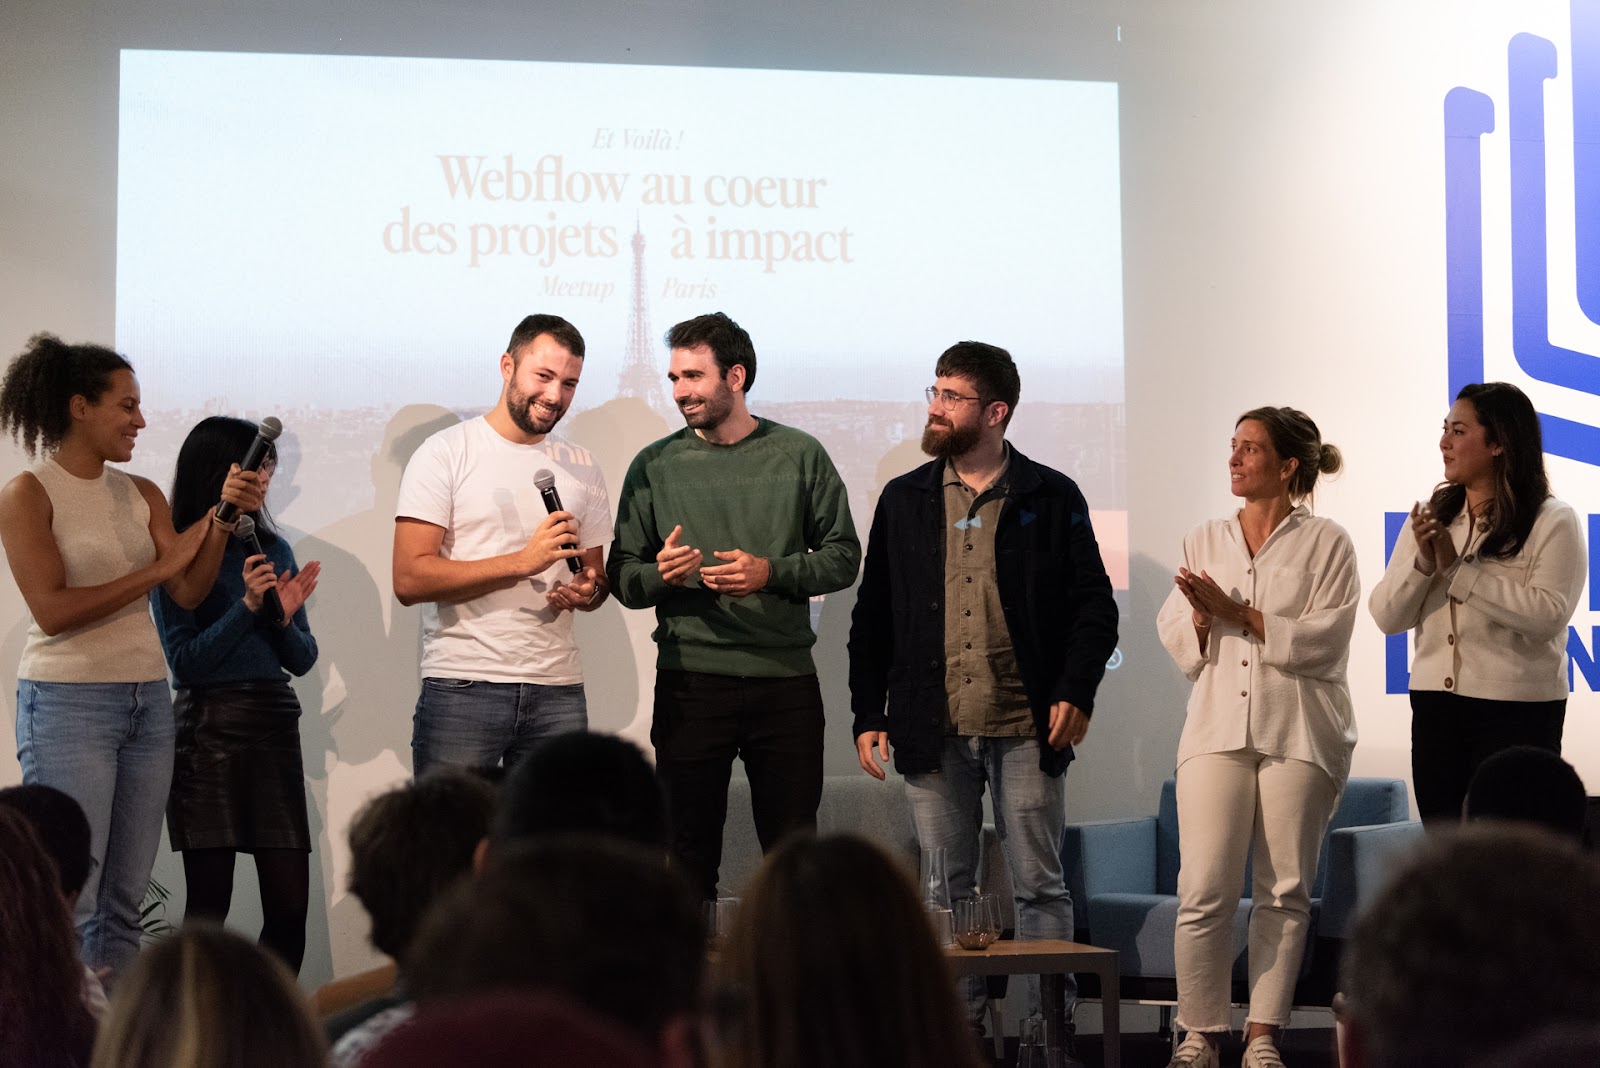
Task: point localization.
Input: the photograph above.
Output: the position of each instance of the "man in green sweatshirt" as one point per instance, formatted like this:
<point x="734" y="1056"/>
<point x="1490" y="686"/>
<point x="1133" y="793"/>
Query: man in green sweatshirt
<point x="728" y="528"/>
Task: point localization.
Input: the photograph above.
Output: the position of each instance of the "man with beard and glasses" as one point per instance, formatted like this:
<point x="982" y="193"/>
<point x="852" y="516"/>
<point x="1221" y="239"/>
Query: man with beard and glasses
<point x="474" y="545"/>
<point x="981" y="631"/>
<point x="728" y="528"/>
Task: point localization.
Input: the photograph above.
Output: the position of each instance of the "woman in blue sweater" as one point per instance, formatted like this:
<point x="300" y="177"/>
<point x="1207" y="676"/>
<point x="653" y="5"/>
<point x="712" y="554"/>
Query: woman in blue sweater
<point x="238" y="784"/>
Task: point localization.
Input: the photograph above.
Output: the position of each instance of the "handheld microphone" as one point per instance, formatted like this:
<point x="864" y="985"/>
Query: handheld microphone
<point x="545" y="482"/>
<point x="266" y="434"/>
<point x="246" y="532"/>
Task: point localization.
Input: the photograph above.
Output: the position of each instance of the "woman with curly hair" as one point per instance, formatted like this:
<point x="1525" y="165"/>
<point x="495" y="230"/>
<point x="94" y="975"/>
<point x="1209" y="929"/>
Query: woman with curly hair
<point x="86" y="543"/>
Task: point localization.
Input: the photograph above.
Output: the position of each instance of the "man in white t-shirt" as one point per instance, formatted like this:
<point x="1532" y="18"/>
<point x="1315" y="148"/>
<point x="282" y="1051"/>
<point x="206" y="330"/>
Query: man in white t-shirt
<point x="474" y="544"/>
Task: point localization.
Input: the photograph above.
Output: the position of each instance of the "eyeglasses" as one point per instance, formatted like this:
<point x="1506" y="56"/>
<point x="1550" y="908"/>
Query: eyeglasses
<point x="948" y="400"/>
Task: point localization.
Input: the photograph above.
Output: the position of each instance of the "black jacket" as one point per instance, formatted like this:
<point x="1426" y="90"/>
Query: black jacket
<point x="1053" y="589"/>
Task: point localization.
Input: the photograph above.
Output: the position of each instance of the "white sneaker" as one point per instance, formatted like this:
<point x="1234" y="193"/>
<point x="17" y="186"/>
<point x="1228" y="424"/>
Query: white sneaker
<point x="1262" y="1053"/>
<point x="1194" y="1052"/>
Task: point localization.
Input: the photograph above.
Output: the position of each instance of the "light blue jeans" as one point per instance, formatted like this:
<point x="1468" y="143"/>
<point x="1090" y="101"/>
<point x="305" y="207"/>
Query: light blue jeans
<point x="109" y="746"/>
<point x="1030" y="817"/>
<point x="474" y="724"/>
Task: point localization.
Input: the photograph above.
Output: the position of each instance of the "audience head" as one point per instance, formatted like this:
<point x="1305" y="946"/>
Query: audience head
<point x="407" y="845"/>
<point x="43" y="1020"/>
<point x="1529" y="784"/>
<point x="604" y="922"/>
<point x="582" y="783"/>
<point x="204" y="997"/>
<point x="36" y="397"/>
<point x="1566" y="1046"/>
<point x="62" y="829"/>
<point x="1491" y="930"/>
<point x="509" y="1030"/>
<point x="832" y="962"/>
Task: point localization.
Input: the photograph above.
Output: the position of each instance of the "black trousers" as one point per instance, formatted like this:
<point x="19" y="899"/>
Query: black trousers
<point x="1451" y="735"/>
<point x="701" y="723"/>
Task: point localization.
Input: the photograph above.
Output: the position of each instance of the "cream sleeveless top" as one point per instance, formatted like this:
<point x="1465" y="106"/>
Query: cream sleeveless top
<point x="102" y="530"/>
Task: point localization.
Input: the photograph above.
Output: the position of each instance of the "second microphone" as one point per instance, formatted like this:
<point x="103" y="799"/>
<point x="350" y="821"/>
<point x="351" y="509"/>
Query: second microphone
<point x="545" y="482"/>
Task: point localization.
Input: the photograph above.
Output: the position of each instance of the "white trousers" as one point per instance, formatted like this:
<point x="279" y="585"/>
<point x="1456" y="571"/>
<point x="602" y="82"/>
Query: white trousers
<point x="1230" y="804"/>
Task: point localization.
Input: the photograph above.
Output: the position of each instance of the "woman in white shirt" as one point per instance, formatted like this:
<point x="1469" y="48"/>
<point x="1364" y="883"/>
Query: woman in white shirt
<point x="1260" y="621"/>
<point x="1488" y="573"/>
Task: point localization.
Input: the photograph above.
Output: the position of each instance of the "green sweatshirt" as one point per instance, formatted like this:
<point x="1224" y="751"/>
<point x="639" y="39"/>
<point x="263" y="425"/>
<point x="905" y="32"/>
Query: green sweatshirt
<point x="774" y="494"/>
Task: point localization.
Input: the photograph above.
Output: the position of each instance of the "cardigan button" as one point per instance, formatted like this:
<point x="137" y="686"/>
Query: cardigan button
<point x="1449" y="683"/>
<point x="1468" y="558"/>
<point x="1244" y="663"/>
<point x="1451" y="639"/>
<point x="1244" y="693"/>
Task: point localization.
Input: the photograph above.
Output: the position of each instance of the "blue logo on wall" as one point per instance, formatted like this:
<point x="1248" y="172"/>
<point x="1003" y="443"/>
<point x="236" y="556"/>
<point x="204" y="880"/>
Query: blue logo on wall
<point x="1468" y="116"/>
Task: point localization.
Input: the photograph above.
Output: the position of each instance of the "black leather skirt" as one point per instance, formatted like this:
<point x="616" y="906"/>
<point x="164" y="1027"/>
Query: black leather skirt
<point x="237" y="779"/>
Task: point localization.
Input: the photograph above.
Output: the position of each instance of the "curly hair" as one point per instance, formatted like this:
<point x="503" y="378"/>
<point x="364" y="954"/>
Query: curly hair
<point x="42" y="380"/>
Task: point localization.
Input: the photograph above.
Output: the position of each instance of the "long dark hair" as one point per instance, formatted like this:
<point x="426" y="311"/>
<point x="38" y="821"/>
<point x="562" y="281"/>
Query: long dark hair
<point x="43" y="1020"/>
<point x="43" y="379"/>
<point x="215" y="444"/>
<point x="832" y="963"/>
<point x="1520" y="483"/>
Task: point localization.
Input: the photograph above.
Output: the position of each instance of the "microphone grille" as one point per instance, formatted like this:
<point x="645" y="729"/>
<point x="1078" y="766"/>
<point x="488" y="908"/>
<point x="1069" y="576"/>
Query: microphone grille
<point x="245" y="528"/>
<point x="270" y="428"/>
<point x="543" y="479"/>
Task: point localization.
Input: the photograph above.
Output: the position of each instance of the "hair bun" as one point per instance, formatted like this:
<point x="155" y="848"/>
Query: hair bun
<point x="1329" y="459"/>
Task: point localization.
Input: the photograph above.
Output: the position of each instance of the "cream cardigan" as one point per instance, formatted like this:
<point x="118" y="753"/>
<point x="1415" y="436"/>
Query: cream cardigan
<point x="1489" y="628"/>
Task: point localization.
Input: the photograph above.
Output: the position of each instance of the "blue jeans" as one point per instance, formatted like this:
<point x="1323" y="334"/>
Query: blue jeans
<point x="109" y="746"/>
<point x="1030" y="817"/>
<point x="474" y="724"/>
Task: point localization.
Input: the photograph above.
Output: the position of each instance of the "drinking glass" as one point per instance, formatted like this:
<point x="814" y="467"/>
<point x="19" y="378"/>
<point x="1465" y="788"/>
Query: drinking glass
<point x="990" y="904"/>
<point x="936" y="895"/>
<point x="719" y="917"/>
<point x="972" y="923"/>
<point x="1030" y="1043"/>
<point x="935" y="890"/>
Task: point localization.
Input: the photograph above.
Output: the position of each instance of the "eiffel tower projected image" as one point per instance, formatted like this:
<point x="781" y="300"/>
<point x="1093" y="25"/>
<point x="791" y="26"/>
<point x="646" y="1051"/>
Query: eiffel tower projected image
<point x="640" y="376"/>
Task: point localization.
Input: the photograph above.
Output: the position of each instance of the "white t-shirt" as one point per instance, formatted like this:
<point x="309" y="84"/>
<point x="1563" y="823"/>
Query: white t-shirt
<point x="479" y="487"/>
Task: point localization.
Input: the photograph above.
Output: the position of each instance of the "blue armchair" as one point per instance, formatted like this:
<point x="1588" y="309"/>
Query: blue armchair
<point x="1124" y="878"/>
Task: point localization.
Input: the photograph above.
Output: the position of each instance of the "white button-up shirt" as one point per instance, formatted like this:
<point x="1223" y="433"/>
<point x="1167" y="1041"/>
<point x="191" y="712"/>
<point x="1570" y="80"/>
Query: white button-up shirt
<point x="1495" y="629"/>
<point x="1285" y="695"/>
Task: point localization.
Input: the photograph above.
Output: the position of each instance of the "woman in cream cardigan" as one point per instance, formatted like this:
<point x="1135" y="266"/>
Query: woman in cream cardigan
<point x="1487" y="573"/>
<point x="1260" y="621"/>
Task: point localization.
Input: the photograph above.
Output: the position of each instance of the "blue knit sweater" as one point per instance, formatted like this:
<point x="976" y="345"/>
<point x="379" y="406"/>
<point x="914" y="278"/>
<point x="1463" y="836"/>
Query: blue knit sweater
<point x="222" y="640"/>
